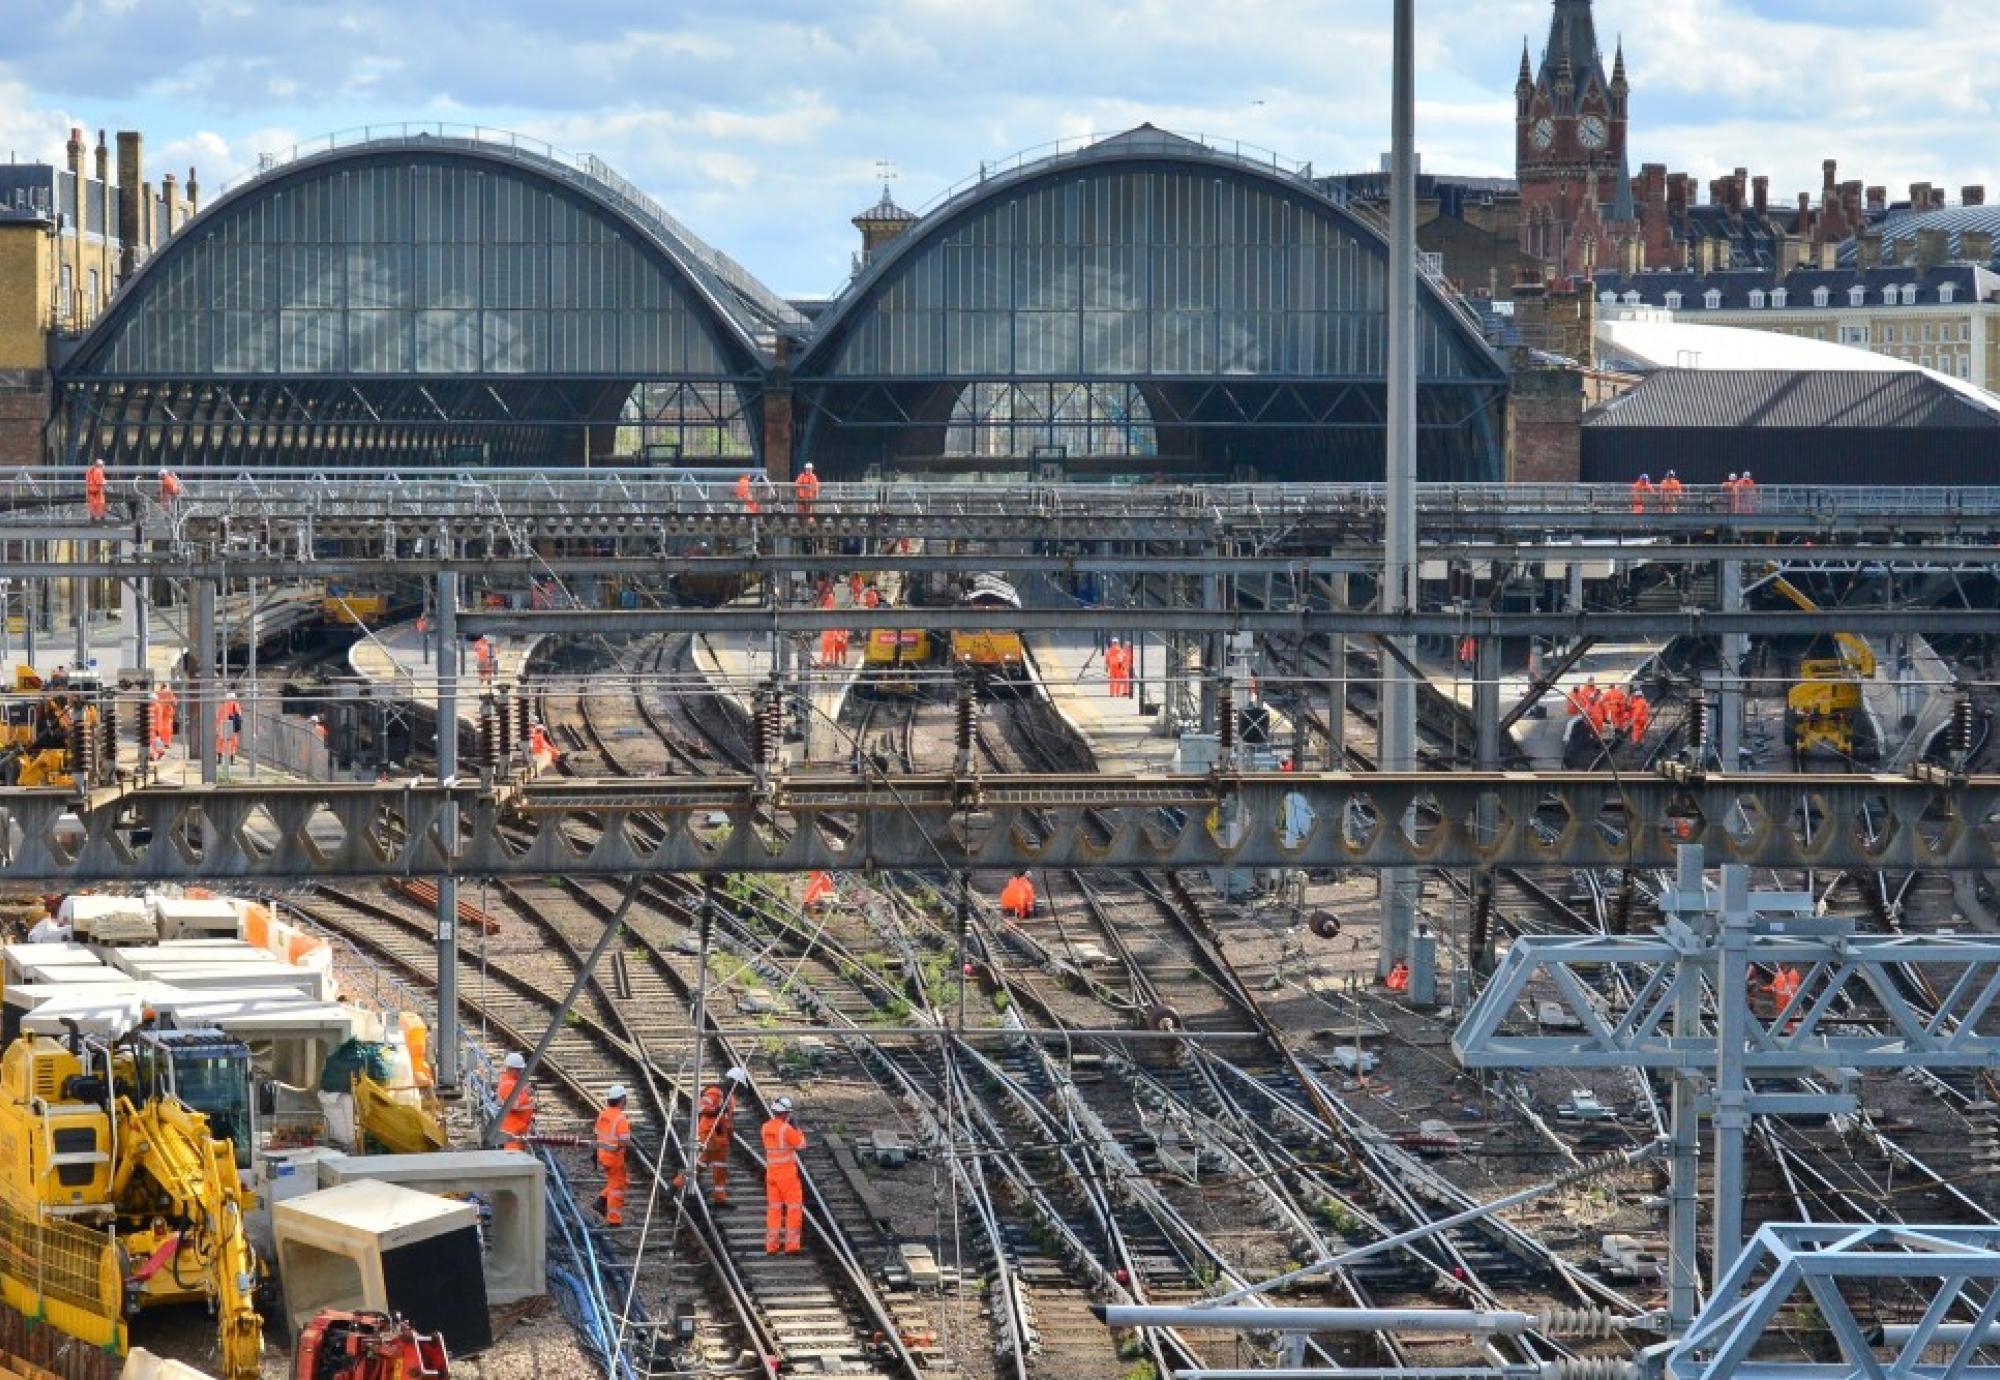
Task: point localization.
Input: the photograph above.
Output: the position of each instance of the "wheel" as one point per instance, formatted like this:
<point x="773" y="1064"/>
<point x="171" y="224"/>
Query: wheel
<point x="1325" y="924"/>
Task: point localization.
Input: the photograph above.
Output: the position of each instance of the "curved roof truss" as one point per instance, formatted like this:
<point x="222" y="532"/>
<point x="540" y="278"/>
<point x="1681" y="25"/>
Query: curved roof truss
<point x="1146" y="255"/>
<point x="429" y="256"/>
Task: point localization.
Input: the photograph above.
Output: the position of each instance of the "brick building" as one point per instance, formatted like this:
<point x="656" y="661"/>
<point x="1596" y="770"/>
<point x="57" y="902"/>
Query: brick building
<point x="69" y="235"/>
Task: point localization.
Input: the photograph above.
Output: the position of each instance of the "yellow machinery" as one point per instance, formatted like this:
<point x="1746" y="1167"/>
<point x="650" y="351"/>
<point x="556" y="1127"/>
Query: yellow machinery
<point x="351" y="608"/>
<point x="137" y="1142"/>
<point x="37" y="739"/>
<point x="892" y="658"/>
<point x="998" y="652"/>
<point x="1822" y="709"/>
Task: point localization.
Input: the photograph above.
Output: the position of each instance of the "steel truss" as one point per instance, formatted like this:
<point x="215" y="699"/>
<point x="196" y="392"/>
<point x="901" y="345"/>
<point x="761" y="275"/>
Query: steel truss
<point x="290" y="832"/>
<point x="1832" y="1268"/>
<point x="1689" y="1014"/>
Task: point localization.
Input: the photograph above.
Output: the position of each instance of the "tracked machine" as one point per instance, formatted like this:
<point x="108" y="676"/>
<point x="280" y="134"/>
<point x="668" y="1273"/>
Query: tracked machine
<point x="124" y="1152"/>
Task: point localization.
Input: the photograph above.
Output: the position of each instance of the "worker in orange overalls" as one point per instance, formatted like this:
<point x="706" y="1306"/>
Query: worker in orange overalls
<point x="485" y="658"/>
<point x="1399" y="977"/>
<point x="1583" y="698"/>
<point x="871" y="597"/>
<point x="1017" y="898"/>
<point x="1611" y="710"/>
<point x="1642" y="493"/>
<point x="715" y="1133"/>
<point x="1746" y="490"/>
<point x="743" y="494"/>
<point x="1639" y="717"/>
<point x="1784" y="987"/>
<point x="170" y="487"/>
<point x="165" y="704"/>
<point x="518" y="1123"/>
<point x="539" y="745"/>
<point x="808" y="489"/>
<point x="228" y="727"/>
<point x="614" y="1139"/>
<point x="854" y="584"/>
<point x="1670" y="492"/>
<point x="93" y="491"/>
<point x="1118" y="669"/>
<point x="318" y="727"/>
<point x="819" y="890"/>
<point x="1729" y="494"/>
<point x="784" y="1194"/>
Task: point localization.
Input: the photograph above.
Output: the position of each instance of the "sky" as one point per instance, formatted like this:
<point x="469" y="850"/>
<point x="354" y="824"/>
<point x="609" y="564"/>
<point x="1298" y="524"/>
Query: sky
<point x="763" y="124"/>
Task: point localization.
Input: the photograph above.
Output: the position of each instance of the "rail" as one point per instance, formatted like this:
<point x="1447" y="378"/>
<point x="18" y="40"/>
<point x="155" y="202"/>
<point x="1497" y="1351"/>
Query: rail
<point x="447" y="493"/>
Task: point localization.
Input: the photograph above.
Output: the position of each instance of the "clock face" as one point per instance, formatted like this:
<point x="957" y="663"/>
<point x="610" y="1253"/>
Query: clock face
<point x="1544" y="132"/>
<point x="1593" y="131"/>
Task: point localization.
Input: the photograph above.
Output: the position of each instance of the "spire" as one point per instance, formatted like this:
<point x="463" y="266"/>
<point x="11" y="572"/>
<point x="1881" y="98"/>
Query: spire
<point x="1572" y="47"/>
<point x="1618" y="66"/>
<point x="1526" y="81"/>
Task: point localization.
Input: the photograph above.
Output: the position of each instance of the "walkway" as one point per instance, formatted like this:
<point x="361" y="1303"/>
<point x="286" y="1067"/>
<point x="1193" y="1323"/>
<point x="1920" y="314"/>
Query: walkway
<point x="1069" y="667"/>
<point x="400" y="656"/>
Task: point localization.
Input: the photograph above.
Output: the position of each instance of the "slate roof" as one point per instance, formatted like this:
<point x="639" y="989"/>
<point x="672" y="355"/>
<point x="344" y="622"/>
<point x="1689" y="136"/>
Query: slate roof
<point x="1899" y="229"/>
<point x="1736" y="285"/>
<point x="1875" y="400"/>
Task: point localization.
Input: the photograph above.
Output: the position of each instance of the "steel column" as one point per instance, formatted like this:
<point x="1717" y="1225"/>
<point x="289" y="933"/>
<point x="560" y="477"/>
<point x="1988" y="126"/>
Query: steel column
<point x="445" y="1058"/>
<point x="199" y="733"/>
<point x="1735" y="653"/>
<point x="1732" y="1114"/>
<point x="1398" y="698"/>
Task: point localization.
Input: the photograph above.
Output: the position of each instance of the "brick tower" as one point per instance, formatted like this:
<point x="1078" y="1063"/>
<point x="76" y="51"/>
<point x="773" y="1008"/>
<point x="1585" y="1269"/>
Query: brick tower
<point x="1569" y="150"/>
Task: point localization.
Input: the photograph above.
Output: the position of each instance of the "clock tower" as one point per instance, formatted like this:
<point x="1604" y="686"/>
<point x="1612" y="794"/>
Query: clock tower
<point x="1569" y="149"/>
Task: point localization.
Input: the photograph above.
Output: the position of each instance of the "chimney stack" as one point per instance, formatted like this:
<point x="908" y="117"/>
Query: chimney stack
<point x="1975" y="247"/>
<point x="103" y="159"/>
<point x="1791" y="254"/>
<point x="170" y="207"/>
<point x="131" y="213"/>
<point x="1804" y="227"/>
<point x="76" y="149"/>
<point x="1868" y="251"/>
<point x="1878" y="200"/>
<point x="1828" y="168"/>
<point x="1972" y="196"/>
<point x="193" y="192"/>
<point x="1760" y="194"/>
<point x="1677" y="193"/>
<point x="1933" y="248"/>
<point x="1920" y="196"/>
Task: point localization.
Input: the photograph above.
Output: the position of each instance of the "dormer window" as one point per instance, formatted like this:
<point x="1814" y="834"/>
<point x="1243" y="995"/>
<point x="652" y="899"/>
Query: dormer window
<point x="1779" y="296"/>
<point x="1889" y="295"/>
<point x="1631" y="297"/>
<point x="1821" y="296"/>
<point x="1711" y="299"/>
<point x="1857" y="295"/>
<point x="1673" y="301"/>
<point x="1609" y="299"/>
<point x="1756" y="299"/>
<point x="1909" y="294"/>
<point x="1947" y="291"/>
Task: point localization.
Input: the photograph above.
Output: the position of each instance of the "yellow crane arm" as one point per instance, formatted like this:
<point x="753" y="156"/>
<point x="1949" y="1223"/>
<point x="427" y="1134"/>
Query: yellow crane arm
<point x="1860" y="656"/>
<point x="170" y="1143"/>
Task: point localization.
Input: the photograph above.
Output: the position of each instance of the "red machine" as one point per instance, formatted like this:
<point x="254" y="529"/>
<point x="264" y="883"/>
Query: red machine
<point x="339" y="1345"/>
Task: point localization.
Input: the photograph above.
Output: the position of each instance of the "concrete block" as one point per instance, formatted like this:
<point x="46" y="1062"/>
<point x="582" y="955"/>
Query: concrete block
<point x="141" y="1364"/>
<point x="516" y="1246"/>
<point x="380" y="1246"/>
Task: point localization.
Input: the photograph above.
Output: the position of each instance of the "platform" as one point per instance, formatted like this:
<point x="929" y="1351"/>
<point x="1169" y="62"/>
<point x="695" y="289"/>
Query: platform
<point x="1541" y="737"/>
<point x="1070" y="671"/>
<point x="732" y="663"/>
<point x="400" y="656"/>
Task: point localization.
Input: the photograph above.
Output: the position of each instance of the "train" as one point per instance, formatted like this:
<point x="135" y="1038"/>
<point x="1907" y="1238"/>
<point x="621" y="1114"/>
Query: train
<point x="893" y="658"/>
<point x="997" y="654"/>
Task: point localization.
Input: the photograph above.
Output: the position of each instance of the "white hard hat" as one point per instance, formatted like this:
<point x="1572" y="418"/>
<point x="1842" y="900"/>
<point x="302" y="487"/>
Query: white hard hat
<point x="738" y="1075"/>
<point x="782" y="1106"/>
<point x="515" y="1061"/>
<point x="615" y="1093"/>
<point x="809" y="464"/>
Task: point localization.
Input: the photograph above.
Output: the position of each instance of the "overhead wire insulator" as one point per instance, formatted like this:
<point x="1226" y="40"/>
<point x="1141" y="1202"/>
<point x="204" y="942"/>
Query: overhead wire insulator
<point x="524" y="713"/>
<point x="489" y="735"/>
<point x="963" y="722"/>
<point x="108" y="735"/>
<point x="1961" y="729"/>
<point x="81" y="751"/>
<point x="1591" y="1368"/>
<point x="1581" y="1323"/>
<point x="1225" y="723"/>
<point x="1697" y="728"/>
<point x="505" y="718"/>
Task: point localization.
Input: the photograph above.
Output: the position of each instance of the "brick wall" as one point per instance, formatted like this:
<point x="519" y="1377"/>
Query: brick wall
<point x="1545" y="427"/>
<point x="24" y="409"/>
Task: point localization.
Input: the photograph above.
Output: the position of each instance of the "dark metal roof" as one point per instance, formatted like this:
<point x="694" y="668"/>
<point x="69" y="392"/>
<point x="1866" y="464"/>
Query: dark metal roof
<point x="1899" y="230"/>
<point x="1900" y="399"/>
<point x="1736" y="285"/>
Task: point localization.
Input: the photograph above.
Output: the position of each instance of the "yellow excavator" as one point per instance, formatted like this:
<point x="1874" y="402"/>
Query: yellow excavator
<point x="1823" y="708"/>
<point x="129" y="1149"/>
<point x="39" y="729"/>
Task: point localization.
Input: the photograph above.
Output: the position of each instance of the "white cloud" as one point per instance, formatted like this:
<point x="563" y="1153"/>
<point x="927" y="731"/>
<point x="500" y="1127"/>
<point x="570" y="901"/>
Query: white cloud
<point x="761" y="121"/>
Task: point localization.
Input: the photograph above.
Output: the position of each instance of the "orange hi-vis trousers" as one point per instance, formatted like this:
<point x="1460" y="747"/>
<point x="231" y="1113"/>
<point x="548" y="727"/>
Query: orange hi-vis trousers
<point x="784" y="1210"/>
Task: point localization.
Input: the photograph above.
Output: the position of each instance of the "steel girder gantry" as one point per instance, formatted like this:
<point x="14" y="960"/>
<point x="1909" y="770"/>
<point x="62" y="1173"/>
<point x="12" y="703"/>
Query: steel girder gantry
<point x="1090" y="822"/>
